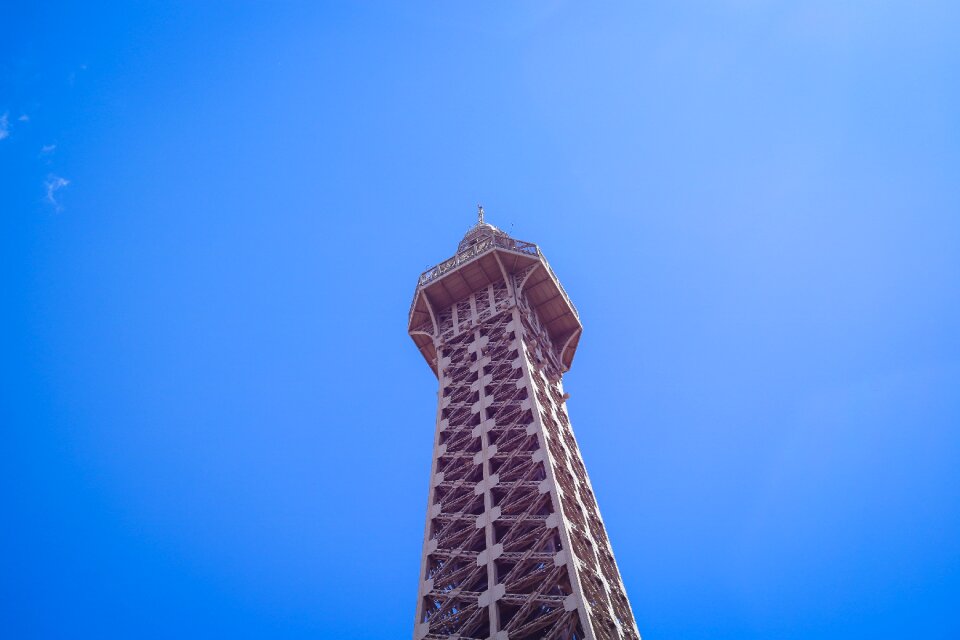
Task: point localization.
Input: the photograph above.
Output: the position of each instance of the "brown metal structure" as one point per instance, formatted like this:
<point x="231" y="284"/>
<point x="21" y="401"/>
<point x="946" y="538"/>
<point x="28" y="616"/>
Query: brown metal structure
<point x="514" y="546"/>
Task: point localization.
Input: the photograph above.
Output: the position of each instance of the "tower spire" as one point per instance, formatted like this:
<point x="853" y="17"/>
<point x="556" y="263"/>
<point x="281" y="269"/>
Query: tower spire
<point x="479" y="214"/>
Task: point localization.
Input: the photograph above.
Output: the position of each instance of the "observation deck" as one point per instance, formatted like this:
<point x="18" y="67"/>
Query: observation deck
<point x="488" y="255"/>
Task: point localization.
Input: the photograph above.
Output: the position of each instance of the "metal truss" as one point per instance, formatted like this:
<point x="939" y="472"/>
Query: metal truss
<point x="514" y="546"/>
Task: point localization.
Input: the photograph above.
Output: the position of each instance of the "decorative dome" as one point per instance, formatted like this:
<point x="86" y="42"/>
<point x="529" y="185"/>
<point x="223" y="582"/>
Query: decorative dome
<point x="479" y="231"/>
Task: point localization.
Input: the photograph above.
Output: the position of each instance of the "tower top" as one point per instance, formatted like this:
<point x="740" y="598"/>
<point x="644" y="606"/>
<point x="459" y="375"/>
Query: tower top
<point x="486" y="256"/>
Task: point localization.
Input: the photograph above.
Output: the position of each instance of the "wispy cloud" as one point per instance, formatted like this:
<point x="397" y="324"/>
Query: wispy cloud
<point x="72" y="78"/>
<point x="4" y="126"/>
<point x="54" y="184"/>
<point x="47" y="148"/>
<point x="24" y="118"/>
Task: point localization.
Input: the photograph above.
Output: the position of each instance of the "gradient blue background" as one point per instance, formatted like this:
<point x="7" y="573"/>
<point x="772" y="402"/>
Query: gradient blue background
<point x="214" y="424"/>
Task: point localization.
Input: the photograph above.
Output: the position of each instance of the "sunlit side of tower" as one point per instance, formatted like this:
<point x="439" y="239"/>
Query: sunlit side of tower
<point x="514" y="546"/>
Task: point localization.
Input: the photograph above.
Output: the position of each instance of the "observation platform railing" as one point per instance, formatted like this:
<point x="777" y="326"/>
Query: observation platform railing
<point x="481" y="247"/>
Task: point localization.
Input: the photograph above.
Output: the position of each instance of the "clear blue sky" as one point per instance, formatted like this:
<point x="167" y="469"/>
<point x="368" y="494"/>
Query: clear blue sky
<point x="213" y="217"/>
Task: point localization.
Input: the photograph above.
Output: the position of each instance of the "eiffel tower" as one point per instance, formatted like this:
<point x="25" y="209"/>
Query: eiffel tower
<point x="514" y="546"/>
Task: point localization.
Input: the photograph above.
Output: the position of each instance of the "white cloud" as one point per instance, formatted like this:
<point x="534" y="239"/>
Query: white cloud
<point x="4" y="126"/>
<point x="48" y="148"/>
<point x="54" y="184"/>
<point x="24" y="118"/>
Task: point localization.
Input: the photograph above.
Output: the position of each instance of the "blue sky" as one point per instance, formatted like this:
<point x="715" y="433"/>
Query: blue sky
<point x="213" y="218"/>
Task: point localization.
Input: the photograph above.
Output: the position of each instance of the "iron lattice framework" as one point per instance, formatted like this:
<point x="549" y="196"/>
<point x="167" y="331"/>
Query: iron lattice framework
<point x="514" y="546"/>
